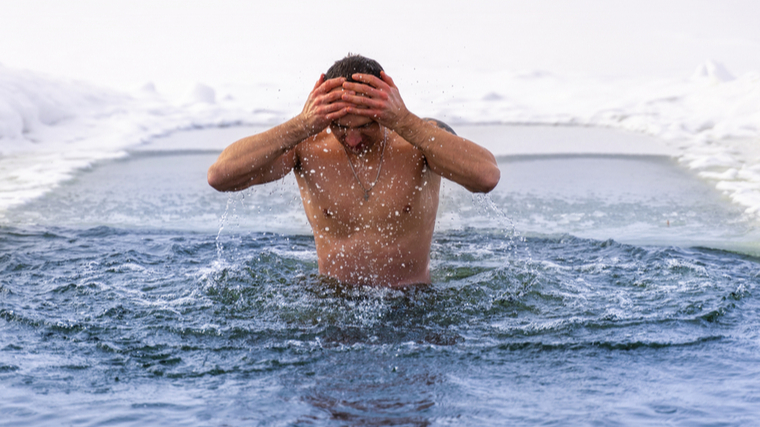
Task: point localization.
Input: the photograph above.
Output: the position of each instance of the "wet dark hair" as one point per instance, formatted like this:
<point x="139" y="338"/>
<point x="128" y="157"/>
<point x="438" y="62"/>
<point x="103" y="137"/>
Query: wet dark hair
<point x="351" y="64"/>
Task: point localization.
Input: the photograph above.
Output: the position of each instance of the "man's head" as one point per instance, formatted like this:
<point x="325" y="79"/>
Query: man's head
<point x="356" y="133"/>
<point x="352" y="64"/>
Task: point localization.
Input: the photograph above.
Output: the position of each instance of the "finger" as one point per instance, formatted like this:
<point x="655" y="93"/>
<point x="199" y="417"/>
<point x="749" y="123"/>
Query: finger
<point x="331" y="97"/>
<point x="363" y="100"/>
<point x="369" y="79"/>
<point x="367" y="112"/>
<point x="328" y="85"/>
<point x="320" y="80"/>
<point x="365" y="89"/>
<point x="387" y="79"/>
<point x="329" y="108"/>
<point x="338" y="114"/>
<point x="331" y="84"/>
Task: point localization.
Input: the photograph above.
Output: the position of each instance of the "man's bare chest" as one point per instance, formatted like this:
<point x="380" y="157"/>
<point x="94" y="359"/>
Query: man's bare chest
<point x="399" y="192"/>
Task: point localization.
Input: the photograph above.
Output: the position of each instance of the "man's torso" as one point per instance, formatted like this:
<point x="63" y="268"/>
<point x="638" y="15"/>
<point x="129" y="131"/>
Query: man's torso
<point x="383" y="240"/>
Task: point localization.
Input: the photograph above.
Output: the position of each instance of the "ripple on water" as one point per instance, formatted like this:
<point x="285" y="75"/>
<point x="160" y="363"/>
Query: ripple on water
<point x="562" y="318"/>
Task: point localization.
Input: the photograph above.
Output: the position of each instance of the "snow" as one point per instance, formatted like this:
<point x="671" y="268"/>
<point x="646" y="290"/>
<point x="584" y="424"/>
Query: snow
<point x="50" y="128"/>
<point x="712" y="71"/>
<point x="203" y="94"/>
<point x="112" y="76"/>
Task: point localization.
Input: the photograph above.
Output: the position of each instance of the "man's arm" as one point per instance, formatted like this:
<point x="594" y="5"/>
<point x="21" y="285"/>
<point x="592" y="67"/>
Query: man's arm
<point x="440" y="124"/>
<point x="270" y="155"/>
<point x="447" y="154"/>
<point x="451" y="156"/>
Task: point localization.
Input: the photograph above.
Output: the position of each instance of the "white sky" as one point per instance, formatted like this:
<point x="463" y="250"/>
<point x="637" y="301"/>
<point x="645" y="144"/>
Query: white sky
<point x="125" y="43"/>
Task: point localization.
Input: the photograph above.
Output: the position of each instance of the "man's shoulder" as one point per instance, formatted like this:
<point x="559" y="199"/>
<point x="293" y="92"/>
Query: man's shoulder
<point x="314" y="144"/>
<point x="319" y="148"/>
<point x="440" y="124"/>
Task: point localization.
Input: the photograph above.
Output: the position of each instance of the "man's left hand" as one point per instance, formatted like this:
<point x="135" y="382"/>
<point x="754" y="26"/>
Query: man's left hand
<point x="376" y="98"/>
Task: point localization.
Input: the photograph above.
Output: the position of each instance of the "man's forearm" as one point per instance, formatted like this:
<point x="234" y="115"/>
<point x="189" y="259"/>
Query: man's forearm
<point x="451" y="156"/>
<point x="257" y="158"/>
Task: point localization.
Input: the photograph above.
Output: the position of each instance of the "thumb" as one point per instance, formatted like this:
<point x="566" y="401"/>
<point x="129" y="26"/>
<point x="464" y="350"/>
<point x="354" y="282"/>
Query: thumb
<point x="319" y="81"/>
<point x="387" y="79"/>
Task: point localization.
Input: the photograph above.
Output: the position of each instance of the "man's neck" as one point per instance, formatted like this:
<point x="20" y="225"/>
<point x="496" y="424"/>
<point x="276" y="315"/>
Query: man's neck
<point x="373" y="149"/>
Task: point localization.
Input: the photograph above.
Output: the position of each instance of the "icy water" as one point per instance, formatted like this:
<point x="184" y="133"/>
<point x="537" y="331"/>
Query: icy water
<point x="587" y="289"/>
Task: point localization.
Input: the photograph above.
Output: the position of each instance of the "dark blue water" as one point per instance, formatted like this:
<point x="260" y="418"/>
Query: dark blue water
<point x="106" y="326"/>
<point x="104" y="321"/>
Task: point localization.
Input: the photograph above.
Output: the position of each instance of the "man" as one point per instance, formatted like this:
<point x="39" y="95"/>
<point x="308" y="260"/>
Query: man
<point x="369" y="172"/>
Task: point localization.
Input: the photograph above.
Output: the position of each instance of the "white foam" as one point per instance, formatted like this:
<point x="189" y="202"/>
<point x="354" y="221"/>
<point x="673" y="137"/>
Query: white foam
<point x="50" y="128"/>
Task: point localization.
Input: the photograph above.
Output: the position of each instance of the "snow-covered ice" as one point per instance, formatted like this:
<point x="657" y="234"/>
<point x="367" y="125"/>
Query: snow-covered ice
<point x="609" y="64"/>
<point x="49" y="128"/>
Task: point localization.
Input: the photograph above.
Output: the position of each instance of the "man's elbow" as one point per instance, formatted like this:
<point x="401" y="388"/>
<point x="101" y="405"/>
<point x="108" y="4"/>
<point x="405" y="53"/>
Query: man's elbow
<point x="494" y="176"/>
<point x="488" y="180"/>
<point x="216" y="178"/>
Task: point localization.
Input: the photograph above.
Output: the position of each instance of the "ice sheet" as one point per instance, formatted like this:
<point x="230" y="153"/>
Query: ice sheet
<point x="50" y="128"/>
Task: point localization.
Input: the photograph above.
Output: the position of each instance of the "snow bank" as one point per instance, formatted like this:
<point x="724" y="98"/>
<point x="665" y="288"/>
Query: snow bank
<point x="712" y="119"/>
<point x="50" y="128"/>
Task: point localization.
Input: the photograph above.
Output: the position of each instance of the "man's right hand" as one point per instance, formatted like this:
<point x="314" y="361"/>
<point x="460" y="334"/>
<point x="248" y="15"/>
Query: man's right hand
<point x="324" y="105"/>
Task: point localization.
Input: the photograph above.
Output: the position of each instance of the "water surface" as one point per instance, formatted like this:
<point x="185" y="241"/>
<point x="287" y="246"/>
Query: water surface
<point x="588" y="289"/>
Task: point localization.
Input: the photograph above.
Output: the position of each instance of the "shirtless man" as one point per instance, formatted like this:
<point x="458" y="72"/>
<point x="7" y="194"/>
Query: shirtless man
<point x="369" y="172"/>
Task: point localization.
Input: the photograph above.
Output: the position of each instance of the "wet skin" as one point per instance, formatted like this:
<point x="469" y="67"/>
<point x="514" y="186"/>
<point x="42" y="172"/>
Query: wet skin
<point x="384" y="240"/>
